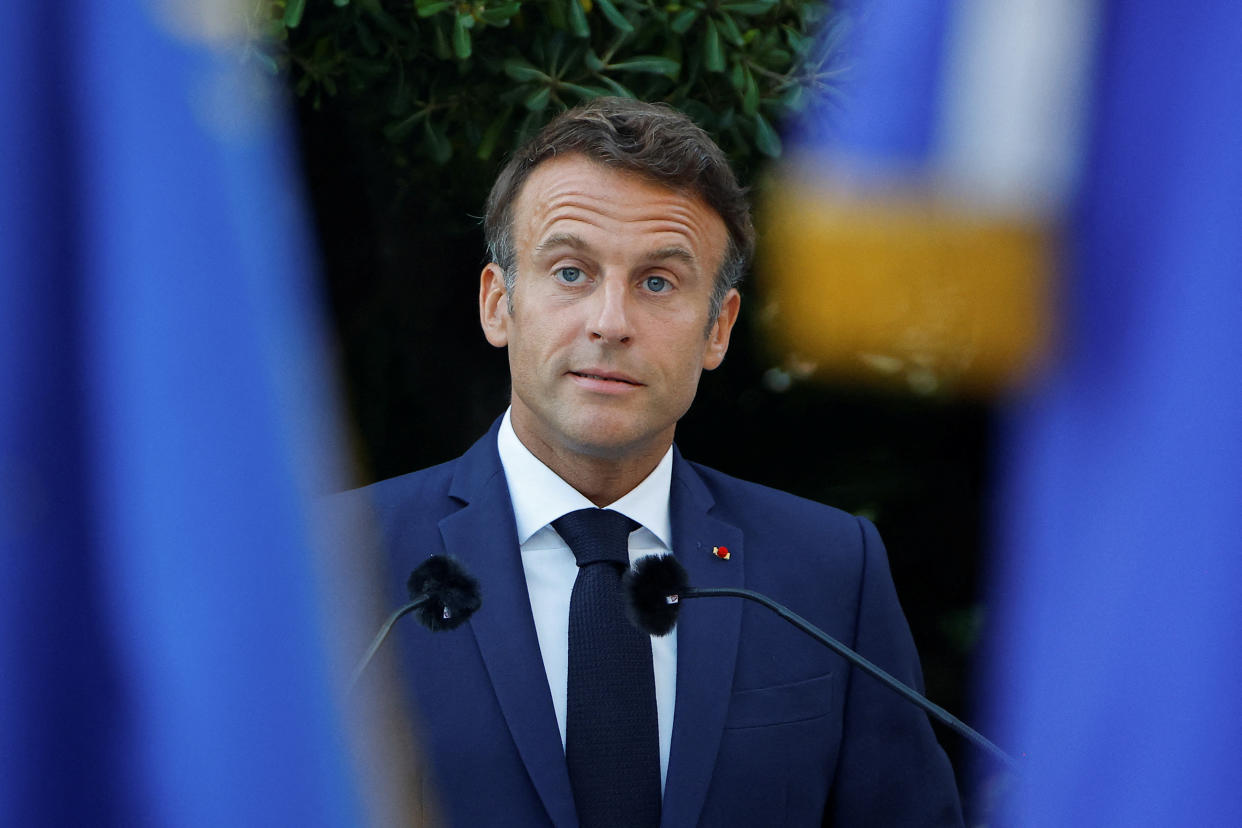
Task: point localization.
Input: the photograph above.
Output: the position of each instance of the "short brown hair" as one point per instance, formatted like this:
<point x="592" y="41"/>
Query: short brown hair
<point x="651" y="140"/>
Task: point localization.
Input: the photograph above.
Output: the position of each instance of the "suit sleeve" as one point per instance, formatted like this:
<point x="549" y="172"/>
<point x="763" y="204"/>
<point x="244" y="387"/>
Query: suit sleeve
<point x="891" y="770"/>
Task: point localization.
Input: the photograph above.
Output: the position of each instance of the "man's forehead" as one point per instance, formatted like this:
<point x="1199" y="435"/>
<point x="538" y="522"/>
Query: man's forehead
<point x="572" y="241"/>
<point x="598" y="177"/>
<point x="573" y="187"/>
<point x="581" y="159"/>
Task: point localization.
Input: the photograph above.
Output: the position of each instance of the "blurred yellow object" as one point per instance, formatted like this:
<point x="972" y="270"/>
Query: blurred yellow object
<point x="904" y="289"/>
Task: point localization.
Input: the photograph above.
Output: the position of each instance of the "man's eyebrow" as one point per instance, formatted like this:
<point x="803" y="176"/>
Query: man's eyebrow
<point x="673" y="252"/>
<point x="561" y="240"/>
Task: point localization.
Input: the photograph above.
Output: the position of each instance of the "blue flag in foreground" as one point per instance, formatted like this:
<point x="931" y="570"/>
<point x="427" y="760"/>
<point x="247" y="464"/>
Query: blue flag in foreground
<point x="1119" y="599"/>
<point x="160" y="628"/>
<point x="1117" y="594"/>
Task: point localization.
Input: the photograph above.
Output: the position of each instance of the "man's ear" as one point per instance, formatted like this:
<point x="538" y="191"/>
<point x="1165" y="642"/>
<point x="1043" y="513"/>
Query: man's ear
<point x="718" y="336"/>
<point x="494" y="305"/>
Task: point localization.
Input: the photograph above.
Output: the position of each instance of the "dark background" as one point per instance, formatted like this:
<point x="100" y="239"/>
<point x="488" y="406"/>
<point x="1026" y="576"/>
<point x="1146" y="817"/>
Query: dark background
<point x="402" y="250"/>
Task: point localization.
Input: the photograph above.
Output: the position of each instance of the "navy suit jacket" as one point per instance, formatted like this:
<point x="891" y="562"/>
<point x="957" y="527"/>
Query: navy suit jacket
<point x="769" y="729"/>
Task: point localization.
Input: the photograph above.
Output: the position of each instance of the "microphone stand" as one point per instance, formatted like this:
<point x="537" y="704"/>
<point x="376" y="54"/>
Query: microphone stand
<point x="382" y="634"/>
<point x="933" y="709"/>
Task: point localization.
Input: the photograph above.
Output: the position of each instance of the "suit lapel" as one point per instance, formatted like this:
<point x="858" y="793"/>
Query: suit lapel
<point x="483" y="537"/>
<point x="707" y="641"/>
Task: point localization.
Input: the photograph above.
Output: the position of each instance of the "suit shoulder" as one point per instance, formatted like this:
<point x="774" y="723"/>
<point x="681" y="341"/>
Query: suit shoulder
<point x="788" y="536"/>
<point x="432" y="478"/>
<point x="744" y="497"/>
<point x="401" y="498"/>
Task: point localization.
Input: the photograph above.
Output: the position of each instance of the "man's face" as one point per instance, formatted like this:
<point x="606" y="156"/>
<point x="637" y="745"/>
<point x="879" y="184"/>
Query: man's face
<point x="606" y="337"/>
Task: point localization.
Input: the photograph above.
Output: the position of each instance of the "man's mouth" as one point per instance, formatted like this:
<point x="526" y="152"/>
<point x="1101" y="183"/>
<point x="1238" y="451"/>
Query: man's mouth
<point x="605" y="377"/>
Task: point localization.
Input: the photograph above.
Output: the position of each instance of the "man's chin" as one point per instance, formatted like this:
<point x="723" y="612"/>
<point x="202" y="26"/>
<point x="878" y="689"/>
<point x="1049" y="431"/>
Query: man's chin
<point x="598" y="432"/>
<point x="616" y="444"/>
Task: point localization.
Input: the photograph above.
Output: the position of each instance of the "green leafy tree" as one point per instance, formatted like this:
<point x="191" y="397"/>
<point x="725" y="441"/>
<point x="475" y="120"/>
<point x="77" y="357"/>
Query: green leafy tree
<point x="452" y="79"/>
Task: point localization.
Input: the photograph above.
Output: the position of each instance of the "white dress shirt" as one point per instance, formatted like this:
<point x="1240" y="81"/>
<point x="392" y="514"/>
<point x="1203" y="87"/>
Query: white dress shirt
<point x="539" y="497"/>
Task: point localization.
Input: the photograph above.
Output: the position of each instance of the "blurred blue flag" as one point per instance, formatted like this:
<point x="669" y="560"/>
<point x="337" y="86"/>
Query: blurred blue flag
<point x="1117" y="586"/>
<point x="1119" y="598"/>
<point x="163" y="421"/>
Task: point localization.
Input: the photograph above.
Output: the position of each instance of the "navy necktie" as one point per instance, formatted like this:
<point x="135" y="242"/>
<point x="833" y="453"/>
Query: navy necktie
<point x="612" y="741"/>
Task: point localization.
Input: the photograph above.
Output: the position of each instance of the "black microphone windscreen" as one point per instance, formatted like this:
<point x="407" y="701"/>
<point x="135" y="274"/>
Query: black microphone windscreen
<point x="452" y="594"/>
<point x="653" y="590"/>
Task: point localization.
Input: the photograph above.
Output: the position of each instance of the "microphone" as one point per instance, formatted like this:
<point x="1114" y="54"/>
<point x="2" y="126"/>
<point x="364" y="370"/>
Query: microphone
<point x="443" y="596"/>
<point x="656" y="585"/>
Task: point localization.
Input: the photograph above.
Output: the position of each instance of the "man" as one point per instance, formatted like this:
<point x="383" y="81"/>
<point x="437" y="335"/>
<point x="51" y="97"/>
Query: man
<point x="618" y="236"/>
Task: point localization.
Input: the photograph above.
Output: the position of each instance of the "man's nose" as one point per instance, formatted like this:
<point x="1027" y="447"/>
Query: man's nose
<point x="609" y="320"/>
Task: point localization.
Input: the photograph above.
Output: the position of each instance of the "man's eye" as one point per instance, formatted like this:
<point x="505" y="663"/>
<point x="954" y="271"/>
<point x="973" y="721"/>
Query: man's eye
<point x="656" y="284"/>
<point x="569" y="275"/>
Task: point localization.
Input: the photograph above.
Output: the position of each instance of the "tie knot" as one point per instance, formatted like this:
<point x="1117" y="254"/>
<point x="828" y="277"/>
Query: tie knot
<point x="596" y="535"/>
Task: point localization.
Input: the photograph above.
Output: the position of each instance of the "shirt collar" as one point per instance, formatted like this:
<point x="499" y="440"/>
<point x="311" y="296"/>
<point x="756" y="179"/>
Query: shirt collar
<point x="540" y="496"/>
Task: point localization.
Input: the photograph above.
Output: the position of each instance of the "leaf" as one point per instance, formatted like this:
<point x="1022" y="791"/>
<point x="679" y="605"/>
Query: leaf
<point x="617" y="89"/>
<point x="577" y="20"/>
<point x="440" y="45"/>
<point x="771" y="38"/>
<point x="488" y="145"/>
<point x="798" y="42"/>
<point x="500" y="15"/>
<point x="398" y="29"/>
<point x="684" y="20"/>
<point x="730" y="31"/>
<point x="776" y="59"/>
<point x="340" y="4"/>
<point x="614" y="16"/>
<point x="556" y="16"/>
<point x="795" y="99"/>
<point x="269" y="63"/>
<point x="400" y="130"/>
<point x="513" y="94"/>
<point x="766" y="139"/>
<point x="401" y="102"/>
<point x="749" y="9"/>
<point x="713" y="54"/>
<point x="648" y="63"/>
<point x="527" y="127"/>
<point x="556" y="45"/>
<point x="293" y="13"/>
<point x="522" y="71"/>
<point x="584" y="92"/>
<point x="750" y="94"/>
<point x="462" y="46"/>
<point x="592" y="61"/>
<point x="428" y="9"/>
<point x="537" y="101"/>
<point x="438" y="145"/>
<point x="698" y="111"/>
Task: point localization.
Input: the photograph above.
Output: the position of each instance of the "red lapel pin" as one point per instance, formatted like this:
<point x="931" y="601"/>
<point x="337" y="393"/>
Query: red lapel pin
<point x="721" y="552"/>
